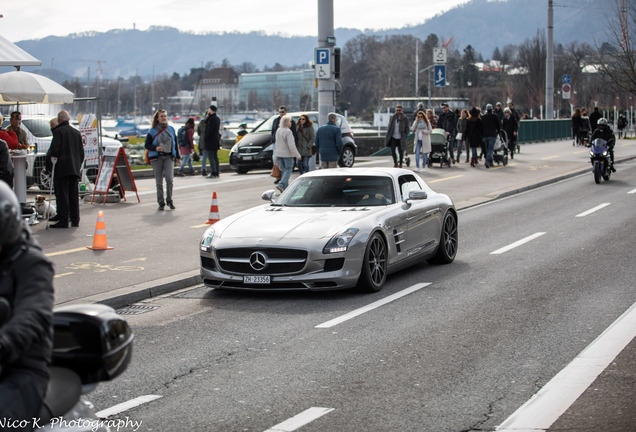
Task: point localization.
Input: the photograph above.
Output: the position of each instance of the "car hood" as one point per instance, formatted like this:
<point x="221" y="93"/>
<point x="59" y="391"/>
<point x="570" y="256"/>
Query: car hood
<point x="274" y="223"/>
<point x="255" y="139"/>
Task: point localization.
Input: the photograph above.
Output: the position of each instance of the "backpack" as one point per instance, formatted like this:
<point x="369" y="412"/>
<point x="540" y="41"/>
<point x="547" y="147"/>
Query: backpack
<point x="181" y="137"/>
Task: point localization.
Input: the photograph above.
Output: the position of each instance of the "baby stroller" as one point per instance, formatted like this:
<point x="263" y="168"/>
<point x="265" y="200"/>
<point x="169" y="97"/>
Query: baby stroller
<point x="439" y="148"/>
<point x="500" y="151"/>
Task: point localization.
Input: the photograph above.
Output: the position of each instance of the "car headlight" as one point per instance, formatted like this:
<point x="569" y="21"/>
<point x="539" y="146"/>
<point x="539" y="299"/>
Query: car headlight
<point x="340" y="242"/>
<point x="206" y="240"/>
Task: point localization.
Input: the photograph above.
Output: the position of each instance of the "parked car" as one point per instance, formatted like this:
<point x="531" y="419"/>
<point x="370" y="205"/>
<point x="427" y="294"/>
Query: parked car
<point x="331" y="229"/>
<point x="255" y="151"/>
<point x="39" y="135"/>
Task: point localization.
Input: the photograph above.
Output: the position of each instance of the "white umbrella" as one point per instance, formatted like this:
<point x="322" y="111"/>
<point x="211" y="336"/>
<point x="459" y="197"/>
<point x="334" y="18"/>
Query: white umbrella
<point x="25" y="87"/>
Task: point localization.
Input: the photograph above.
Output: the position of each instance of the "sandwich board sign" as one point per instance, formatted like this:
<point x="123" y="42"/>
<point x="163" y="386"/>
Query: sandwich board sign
<point x="114" y="162"/>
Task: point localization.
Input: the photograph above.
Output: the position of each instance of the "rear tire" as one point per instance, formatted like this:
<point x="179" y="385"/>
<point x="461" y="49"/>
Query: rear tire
<point x="449" y="240"/>
<point x="374" y="265"/>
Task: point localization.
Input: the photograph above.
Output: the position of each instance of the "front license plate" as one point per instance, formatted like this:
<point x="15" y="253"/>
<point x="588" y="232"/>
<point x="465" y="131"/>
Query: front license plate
<point x="256" y="280"/>
<point x="248" y="157"/>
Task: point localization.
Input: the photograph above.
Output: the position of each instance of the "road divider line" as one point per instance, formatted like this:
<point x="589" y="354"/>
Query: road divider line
<point x="300" y="420"/>
<point x="125" y="406"/>
<point x="517" y="243"/>
<point x="63" y="274"/>
<point x="632" y="191"/>
<point x="548" y="404"/>
<point x="445" y="178"/>
<point x="592" y="210"/>
<point x="371" y="306"/>
<point x="550" y="157"/>
<point x="65" y="251"/>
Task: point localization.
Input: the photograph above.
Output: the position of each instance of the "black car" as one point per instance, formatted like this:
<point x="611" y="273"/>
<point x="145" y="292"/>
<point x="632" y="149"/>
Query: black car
<point x="254" y="150"/>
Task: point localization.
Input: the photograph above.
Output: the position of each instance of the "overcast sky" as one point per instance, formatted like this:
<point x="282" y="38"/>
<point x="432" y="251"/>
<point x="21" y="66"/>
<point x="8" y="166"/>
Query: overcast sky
<point x="34" y="19"/>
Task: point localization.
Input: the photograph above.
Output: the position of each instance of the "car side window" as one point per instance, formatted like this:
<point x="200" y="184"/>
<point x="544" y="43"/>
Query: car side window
<point x="408" y="183"/>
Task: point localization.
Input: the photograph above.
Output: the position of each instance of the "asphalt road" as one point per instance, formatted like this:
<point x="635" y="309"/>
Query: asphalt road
<point x="462" y="353"/>
<point x="460" y="347"/>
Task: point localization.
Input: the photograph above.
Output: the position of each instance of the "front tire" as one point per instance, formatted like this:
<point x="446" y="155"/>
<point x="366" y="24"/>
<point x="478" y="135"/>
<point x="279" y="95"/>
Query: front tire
<point x="374" y="265"/>
<point x="597" y="172"/>
<point x="449" y="240"/>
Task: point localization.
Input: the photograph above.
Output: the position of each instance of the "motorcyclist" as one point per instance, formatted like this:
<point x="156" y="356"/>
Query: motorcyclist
<point x="603" y="131"/>
<point x="26" y="338"/>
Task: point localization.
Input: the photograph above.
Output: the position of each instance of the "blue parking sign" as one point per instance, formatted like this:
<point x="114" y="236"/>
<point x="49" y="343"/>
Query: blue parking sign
<point x="440" y="76"/>
<point x="323" y="66"/>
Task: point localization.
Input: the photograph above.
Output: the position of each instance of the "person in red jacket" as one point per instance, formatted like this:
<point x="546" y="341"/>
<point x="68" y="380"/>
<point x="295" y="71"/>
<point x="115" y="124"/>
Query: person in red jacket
<point x="9" y="136"/>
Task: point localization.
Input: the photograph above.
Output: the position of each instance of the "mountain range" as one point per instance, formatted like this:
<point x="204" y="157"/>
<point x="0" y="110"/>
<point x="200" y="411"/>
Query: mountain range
<point x="484" y="24"/>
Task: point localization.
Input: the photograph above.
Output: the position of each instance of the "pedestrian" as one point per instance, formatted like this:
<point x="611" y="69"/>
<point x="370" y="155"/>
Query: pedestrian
<point x="286" y="151"/>
<point x="6" y="166"/>
<point x="161" y="143"/>
<point x="420" y="107"/>
<point x="448" y="122"/>
<point x="499" y="112"/>
<point x="576" y="127"/>
<point x="26" y="338"/>
<point x="396" y="135"/>
<point x="586" y="127"/>
<point x="516" y="114"/>
<point x="68" y="150"/>
<point x="329" y="142"/>
<point x="9" y="136"/>
<point x="432" y="118"/>
<point x="474" y="134"/>
<point x="461" y="134"/>
<point x="213" y="140"/>
<point x="511" y="127"/>
<point x="491" y="127"/>
<point x="621" y="123"/>
<point x="282" y="111"/>
<point x="201" y="133"/>
<point x="242" y="131"/>
<point x="306" y="139"/>
<point x="421" y="127"/>
<point x="14" y="125"/>
<point x="186" y="146"/>
<point x="594" y="118"/>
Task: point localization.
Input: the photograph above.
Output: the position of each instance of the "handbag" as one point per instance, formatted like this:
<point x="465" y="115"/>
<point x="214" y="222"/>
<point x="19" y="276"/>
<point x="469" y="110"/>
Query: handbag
<point x="458" y="137"/>
<point x="276" y="173"/>
<point x="195" y="157"/>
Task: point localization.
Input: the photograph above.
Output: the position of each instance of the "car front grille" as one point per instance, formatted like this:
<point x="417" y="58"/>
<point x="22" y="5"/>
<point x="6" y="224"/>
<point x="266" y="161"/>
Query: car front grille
<point x="271" y="261"/>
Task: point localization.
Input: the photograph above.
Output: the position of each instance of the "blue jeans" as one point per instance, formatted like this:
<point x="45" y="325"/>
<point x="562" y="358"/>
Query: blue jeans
<point x="204" y="158"/>
<point x="303" y="164"/>
<point x="186" y="160"/>
<point x="286" y="165"/>
<point x="418" y="148"/>
<point x="490" y="146"/>
<point x="213" y="156"/>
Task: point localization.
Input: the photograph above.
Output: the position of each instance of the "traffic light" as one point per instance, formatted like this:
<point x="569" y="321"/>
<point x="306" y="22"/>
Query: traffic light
<point x="336" y="62"/>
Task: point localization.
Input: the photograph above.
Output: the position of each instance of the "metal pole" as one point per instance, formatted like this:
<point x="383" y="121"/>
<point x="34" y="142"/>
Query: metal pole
<point x="417" y="68"/>
<point x="326" y="87"/>
<point x="549" y="66"/>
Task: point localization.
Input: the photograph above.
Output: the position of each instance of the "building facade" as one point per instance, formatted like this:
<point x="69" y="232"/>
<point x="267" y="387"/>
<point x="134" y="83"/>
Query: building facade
<point x="220" y="85"/>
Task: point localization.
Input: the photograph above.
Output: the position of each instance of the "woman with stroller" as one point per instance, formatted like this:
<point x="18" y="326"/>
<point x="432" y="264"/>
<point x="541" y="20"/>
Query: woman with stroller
<point x="421" y="127"/>
<point x="576" y="126"/>
<point x="586" y="127"/>
<point x="474" y="134"/>
<point x="461" y="129"/>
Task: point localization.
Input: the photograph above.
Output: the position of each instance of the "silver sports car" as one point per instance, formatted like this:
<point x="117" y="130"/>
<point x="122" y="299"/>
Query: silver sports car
<point x="332" y="229"/>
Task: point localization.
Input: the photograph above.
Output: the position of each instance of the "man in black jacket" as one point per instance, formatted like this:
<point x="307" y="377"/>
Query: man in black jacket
<point x="448" y="122"/>
<point x="213" y="140"/>
<point x="491" y="127"/>
<point x="68" y="152"/>
<point x="26" y="338"/>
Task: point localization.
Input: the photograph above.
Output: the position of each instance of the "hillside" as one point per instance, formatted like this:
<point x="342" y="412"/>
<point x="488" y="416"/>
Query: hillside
<point x="484" y="24"/>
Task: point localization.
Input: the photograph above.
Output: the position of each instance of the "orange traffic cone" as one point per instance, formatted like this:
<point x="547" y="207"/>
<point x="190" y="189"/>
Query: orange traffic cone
<point x="214" y="211"/>
<point x="99" y="239"/>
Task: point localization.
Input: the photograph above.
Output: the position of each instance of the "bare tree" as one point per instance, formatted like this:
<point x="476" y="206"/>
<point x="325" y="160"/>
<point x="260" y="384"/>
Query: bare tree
<point x="532" y="59"/>
<point x="617" y="57"/>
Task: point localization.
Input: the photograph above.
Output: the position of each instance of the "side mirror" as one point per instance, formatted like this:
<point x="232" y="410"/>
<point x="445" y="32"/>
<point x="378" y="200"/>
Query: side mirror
<point x="417" y="195"/>
<point x="269" y="195"/>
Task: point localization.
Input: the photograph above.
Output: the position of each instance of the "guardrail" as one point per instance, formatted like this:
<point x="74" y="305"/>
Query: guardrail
<point x="544" y="130"/>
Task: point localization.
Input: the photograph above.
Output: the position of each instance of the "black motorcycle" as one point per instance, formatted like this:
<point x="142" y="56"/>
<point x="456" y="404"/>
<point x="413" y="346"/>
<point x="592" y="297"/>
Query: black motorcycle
<point x="91" y="343"/>
<point x="600" y="159"/>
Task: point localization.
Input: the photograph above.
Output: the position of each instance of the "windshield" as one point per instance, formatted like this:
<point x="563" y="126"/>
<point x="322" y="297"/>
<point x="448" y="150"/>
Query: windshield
<point x="339" y="191"/>
<point x="40" y="128"/>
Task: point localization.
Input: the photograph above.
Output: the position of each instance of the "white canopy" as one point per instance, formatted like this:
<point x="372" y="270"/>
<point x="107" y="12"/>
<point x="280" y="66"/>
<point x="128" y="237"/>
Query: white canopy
<point x="13" y="55"/>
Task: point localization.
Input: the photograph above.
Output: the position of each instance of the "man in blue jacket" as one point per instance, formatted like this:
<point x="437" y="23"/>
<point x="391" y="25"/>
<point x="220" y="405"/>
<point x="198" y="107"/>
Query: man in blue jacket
<point x="329" y="142"/>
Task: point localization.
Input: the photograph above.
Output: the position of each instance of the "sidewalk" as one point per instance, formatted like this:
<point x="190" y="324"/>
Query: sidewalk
<point x="146" y="261"/>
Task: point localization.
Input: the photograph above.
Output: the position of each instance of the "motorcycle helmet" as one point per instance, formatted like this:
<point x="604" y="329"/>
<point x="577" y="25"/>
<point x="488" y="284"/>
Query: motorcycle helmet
<point x="602" y="122"/>
<point x="10" y="218"/>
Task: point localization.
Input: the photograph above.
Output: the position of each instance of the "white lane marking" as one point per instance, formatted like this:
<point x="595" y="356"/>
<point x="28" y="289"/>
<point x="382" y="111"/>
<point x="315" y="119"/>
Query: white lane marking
<point x="517" y="243"/>
<point x="592" y="210"/>
<point x="549" y="403"/>
<point x="373" y="305"/>
<point x="632" y="191"/>
<point x="125" y="406"/>
<point x="300" y="420"/>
